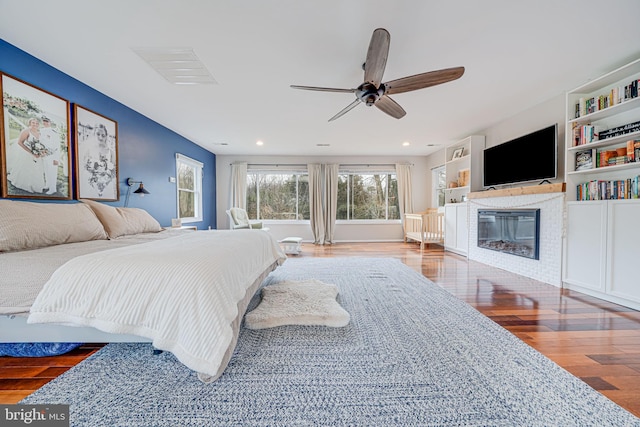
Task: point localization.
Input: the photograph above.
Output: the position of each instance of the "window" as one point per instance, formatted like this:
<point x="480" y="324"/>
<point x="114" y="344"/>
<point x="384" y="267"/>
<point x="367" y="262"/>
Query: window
<point x="438" y="183"/>
<point x="189" y="172"/>
<point x="278" y="195"/>
<point x="371" y="196"/>
<point x="283" y="195"/>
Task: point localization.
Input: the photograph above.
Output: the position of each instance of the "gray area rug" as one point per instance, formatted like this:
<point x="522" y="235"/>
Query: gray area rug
<point x="412" y="355"/>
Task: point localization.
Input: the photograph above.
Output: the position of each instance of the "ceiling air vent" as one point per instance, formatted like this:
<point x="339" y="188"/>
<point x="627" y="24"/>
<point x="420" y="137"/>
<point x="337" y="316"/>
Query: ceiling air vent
<point x="179" y="66"/>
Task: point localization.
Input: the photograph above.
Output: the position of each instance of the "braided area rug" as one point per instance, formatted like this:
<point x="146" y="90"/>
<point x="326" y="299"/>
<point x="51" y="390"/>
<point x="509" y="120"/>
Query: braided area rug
<point x="412" y="355"/>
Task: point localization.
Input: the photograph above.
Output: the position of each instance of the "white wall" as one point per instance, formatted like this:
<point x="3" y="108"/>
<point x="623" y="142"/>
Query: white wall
<point x="533" y="119"/>
<point x="420" y="176"/>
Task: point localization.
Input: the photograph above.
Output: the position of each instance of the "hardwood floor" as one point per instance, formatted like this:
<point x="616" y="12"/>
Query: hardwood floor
<point x="595" y="340"/>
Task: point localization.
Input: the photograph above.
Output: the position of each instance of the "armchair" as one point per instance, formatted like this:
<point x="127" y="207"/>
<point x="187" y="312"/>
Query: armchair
<point x="239" y="219"/>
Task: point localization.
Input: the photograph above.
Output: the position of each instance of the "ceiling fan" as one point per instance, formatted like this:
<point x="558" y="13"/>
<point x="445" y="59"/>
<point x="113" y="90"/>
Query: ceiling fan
<point x="373" y="92"/>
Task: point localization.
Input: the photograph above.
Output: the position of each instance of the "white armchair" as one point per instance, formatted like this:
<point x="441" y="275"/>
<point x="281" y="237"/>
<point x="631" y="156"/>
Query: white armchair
<point x="239" y="219"/>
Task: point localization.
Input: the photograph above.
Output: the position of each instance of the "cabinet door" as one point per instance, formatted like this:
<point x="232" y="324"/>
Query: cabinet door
<point x="450" y="218"/>
<point x="624" y="249"/>
<point x="462" y="228"/>
<point x="586" y="244"/>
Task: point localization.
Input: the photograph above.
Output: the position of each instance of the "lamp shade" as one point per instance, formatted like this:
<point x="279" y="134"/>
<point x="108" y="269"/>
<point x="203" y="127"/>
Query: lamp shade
<point x="141" y="190"/>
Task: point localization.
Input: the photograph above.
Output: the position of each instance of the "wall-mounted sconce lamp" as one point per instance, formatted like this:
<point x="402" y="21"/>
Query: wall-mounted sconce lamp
<point x="141" y="190"/>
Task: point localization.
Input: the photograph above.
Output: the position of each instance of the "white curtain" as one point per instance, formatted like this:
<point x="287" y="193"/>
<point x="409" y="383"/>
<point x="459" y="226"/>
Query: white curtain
<point x="238" y="197"/>
<point x="403" y="175"/>
<point x="331" y="201"/>
<point x="316" y="210"/>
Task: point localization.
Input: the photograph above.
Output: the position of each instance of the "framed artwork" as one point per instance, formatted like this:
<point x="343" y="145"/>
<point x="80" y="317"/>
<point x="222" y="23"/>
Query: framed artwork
<point x="457" y="153"/>
<point x="34" y="142"/>
<point x="96" y="155"/>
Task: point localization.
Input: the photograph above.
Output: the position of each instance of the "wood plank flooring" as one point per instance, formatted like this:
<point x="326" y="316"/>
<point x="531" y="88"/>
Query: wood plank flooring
<point x="595" y="340"/>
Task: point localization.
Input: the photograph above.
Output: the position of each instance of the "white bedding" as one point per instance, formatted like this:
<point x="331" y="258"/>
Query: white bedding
<point x="182" y="292"/>
<point x="30" y="269"/>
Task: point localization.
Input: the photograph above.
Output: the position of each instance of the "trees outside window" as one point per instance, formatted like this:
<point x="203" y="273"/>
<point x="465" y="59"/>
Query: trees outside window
<point x="278" y="196"/>
<point x="285" y="196"/>
<point x="439" y="183"/>
<point x="189" y="185"/>
<point x="368" y="196"/>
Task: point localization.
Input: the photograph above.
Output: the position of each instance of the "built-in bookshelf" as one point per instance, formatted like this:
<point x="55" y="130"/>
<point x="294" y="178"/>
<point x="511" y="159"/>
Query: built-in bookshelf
<point x="602" y="137"/>
<point x="602" y="169"/>
<point x="463" y="173"/>
<point x="463" y="168"/>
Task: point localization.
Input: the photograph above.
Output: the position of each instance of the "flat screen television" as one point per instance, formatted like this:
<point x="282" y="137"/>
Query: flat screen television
<point x="532" y="157"/>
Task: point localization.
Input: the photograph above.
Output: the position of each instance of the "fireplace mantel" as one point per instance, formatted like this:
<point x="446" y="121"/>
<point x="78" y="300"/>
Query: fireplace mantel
<point x="519" y="191"/>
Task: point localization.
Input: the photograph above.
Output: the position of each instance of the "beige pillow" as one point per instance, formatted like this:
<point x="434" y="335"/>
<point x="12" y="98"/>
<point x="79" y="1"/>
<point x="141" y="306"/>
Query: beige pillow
<point x="120" y="222"/>
<point x="30" y="225"/>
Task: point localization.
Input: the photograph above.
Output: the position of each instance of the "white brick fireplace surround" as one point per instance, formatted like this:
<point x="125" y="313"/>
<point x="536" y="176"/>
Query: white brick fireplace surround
<point x="548" y="268"/>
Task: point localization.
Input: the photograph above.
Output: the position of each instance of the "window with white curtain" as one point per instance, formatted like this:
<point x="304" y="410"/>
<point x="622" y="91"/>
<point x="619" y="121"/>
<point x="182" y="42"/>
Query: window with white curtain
<point x="189" y="187"/>
<point x="284" y="195"/>
<point x="438" y="185"/>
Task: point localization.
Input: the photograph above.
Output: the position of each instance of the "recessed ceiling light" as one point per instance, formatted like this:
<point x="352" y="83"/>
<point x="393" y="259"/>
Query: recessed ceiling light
<point x="179" y="66"/>
<point x="259" y="142"/>
<point x="406" y="144"/>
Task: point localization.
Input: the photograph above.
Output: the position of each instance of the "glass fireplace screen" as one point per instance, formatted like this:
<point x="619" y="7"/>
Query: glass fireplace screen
<point x="515" y="232"/>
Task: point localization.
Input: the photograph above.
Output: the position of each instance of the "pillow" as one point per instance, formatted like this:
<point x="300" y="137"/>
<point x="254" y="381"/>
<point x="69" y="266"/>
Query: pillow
<point x="120" y="222"/>
<point x="30" y="225"/>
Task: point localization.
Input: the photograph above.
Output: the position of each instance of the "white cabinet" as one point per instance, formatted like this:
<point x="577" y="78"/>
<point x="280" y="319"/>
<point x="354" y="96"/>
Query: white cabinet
<point x="456" y="228"/>
<point x="585" y="245"/>
<point x="601" y="243"/>
<point x="463" y="168"/>
<point x="602" y="251"/>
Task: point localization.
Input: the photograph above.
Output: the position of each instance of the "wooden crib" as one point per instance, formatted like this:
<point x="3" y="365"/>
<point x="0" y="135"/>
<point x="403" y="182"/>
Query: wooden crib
<point x="424" y="227"/>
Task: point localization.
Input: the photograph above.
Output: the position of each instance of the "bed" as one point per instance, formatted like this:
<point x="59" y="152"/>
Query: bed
<point x="90" y="272"/>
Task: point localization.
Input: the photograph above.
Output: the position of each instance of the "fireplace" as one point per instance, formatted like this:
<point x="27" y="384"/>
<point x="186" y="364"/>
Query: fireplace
<point x="515" y="232"/>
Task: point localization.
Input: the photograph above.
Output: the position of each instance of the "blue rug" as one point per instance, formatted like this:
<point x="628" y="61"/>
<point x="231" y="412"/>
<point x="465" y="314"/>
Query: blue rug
<point x="412" y="355"/>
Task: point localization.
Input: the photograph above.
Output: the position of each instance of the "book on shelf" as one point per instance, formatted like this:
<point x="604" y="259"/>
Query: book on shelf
<point x="585" y="159"/>
<point x="609" y="190"/>
<point x="613" y="96"/>
<point x="584" y="134"/>
<point x="605" y="156"/>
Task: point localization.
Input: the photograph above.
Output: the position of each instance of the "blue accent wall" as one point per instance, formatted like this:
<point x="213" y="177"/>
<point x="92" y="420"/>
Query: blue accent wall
<point x="146" y="149"/>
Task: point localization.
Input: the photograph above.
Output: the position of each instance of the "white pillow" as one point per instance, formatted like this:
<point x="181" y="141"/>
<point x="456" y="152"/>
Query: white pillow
<point x="30" y="225"/>
<point x="120" y="222"/>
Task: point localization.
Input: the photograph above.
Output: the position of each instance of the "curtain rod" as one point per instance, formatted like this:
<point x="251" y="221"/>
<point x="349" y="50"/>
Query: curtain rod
<point x="305" y="164"/>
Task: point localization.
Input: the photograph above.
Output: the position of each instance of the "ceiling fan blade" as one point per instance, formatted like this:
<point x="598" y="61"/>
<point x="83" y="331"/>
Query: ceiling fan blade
<point x="345" y="110"/>
<point x="323" y="89"/>
<point x="377" y="56"/>
<point x="421" y="81"/>
<point x="390" y="107"/>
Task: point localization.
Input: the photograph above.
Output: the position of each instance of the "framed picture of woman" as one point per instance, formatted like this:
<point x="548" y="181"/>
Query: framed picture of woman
<point x="96" y="155"/>
<point x="34" y="142"/>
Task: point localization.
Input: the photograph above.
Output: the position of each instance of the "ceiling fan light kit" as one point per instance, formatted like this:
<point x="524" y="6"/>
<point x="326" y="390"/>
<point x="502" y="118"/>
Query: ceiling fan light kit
<point x="373" y="92"/>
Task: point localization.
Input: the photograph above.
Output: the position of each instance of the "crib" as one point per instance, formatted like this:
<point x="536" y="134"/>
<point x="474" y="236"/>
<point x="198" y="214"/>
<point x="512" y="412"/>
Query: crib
<point x="424" y="227"/>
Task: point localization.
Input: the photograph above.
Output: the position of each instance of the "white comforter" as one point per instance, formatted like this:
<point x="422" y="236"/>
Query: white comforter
<point x="181" y="292"/>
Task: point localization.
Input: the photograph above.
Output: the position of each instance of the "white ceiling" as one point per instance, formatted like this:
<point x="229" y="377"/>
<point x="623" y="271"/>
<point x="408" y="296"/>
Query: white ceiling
<point x="517" y="54"/>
